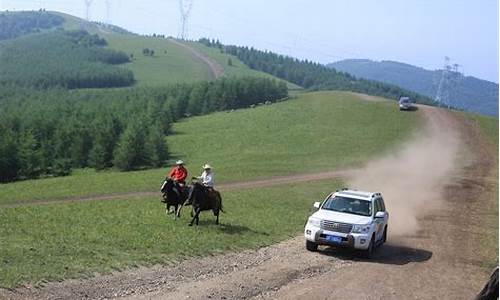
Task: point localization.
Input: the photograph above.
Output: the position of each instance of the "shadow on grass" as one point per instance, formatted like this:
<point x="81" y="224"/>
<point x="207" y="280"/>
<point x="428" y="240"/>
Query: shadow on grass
<point x="230" y="228"/>
<point x="386" y="254"/>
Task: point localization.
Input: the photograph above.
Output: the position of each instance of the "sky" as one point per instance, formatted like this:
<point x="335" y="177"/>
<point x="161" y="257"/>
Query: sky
<point x="418" y="32"/>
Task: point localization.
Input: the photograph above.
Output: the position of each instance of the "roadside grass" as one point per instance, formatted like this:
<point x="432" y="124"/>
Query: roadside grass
<point x="315" y="132"/>
<point x="489" y="232"/>
<point x="54" y="242"/>
<point x="237" y="67"/>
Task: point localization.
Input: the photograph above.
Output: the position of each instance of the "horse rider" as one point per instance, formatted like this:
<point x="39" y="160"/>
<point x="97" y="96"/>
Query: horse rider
<point x="207" y="177"/>
<point x="207" y="181"/>
<point x="179" y="174"/>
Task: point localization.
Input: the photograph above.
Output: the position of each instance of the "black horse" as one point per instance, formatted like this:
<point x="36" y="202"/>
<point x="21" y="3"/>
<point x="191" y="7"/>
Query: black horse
<point x="173" y="196"/>
<point x="201" y="199"/>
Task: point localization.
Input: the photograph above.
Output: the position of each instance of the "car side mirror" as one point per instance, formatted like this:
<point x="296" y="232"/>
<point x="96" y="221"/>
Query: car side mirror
<point x="317" y="204"/>
<point x="380" y="214"/>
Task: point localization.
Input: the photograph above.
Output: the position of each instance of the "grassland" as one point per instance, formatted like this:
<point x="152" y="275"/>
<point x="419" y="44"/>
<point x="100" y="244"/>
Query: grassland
<point x="55" y="242"/>
<point x="315" y="132"/>
<point x="175" y="66"/>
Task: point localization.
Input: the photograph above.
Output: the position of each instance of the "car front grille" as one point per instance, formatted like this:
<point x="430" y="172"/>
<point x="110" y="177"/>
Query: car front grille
<point x="335" y="226"/>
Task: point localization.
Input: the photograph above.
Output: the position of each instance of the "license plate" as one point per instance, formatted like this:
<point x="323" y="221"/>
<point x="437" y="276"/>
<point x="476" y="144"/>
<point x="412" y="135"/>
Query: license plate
<point x="335" y="239"/>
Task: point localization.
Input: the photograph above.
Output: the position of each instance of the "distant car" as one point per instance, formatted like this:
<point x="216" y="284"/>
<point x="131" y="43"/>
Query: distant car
<point x="348" y="218"/>
<point x="405" y="103"/>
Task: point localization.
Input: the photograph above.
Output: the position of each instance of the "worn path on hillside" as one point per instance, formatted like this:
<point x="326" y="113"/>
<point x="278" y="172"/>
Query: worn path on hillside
<point x="224" y="187"/>
<point x="431" y="253"/>
<point x="215" y="68"/>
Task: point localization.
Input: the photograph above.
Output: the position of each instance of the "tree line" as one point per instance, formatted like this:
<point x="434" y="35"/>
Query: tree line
<point x="14" y="24"/>
<point x="49" y="132"/>
<point x="311" y="75"/>
<point x="69" y="59"/>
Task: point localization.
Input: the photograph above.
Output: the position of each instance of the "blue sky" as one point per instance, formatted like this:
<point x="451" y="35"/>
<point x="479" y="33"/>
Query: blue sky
<point x="419" y="32"/>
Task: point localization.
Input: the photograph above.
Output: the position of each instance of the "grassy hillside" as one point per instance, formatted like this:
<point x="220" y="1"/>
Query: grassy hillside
<point x="237" y="67"/>
<point x="471" y="94"/>
<point x="170" y="63"/>
<point x="315" y="132"/>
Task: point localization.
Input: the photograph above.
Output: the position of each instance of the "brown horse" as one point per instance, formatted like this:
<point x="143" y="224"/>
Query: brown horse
<point x="201" y="199"/>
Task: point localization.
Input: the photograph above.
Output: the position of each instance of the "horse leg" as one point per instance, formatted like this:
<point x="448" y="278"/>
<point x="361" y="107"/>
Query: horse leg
<point x="195" y="217"/>
<point x="178" y="211"/>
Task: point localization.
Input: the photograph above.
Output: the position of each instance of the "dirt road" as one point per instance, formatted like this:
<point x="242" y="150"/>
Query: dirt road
<point x="215" y="68"/>
<point x="433" y="187"/>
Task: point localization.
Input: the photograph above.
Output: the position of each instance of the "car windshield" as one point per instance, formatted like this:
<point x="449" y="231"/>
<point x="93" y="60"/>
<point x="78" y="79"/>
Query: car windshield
<point x="348" y="205"/>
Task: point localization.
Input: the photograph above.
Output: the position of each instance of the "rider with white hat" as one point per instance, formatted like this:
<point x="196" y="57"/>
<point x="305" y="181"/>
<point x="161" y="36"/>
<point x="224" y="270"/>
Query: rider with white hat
<point x="207" y="177"/>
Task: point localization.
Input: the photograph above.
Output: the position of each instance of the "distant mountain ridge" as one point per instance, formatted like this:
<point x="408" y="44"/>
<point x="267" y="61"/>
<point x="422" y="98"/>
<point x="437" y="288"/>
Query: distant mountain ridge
<point x="470" y="94"/>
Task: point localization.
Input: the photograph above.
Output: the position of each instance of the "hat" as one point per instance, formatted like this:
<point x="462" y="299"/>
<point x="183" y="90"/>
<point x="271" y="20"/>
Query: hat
<point x="207" y="166"/>
<point x="179" y="162"/>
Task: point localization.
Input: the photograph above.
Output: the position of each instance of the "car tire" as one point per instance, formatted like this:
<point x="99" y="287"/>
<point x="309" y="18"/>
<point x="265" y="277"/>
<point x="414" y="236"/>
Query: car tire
<point x="311" y="246"/>
<point x="371" y="247"/>
<point x="384" y="237"/>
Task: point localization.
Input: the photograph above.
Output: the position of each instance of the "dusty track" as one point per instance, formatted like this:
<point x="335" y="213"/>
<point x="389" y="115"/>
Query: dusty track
<point x="432" y="257"/>
<point x="267" y="182"/>
<point x="215" y="68"/>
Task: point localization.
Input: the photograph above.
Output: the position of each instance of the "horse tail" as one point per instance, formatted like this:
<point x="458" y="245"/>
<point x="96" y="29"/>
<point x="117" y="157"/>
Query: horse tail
<point x="220" y="202"/>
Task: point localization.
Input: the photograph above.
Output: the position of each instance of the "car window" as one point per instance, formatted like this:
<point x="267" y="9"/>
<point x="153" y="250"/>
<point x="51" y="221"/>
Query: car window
<point x="348" y="205"/>
<point x="382" y="204"/>
<point x="377" y="206"/>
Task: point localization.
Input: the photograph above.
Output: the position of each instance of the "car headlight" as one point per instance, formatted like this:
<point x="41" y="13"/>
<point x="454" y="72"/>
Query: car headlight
<point x="361" y="228"/>
<point x="314" y="222"/>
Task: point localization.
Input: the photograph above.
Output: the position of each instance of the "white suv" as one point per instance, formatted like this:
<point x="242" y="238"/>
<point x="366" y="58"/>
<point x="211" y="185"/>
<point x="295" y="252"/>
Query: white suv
<point x="348" y="218"/>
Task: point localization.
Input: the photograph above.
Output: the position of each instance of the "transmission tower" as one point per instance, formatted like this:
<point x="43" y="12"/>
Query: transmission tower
<point x="108" y="11"/>
<point x="185" y="9"/>
<point x="88" y="3"/>
<point x="449" y="83"/>
<point x="442" y="92"/>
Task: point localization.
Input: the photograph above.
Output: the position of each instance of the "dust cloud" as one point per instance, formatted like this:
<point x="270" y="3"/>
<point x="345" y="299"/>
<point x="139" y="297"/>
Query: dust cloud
<point x="411" y="178"/>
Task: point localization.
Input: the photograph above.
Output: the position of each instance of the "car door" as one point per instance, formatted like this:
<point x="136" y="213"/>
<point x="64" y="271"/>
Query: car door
<point x="379" y="222"/>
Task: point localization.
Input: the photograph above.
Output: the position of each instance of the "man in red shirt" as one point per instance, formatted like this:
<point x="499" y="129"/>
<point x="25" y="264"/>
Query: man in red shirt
<point x="179" y="175"/>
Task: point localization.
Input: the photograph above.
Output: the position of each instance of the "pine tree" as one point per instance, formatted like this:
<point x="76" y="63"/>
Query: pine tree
<point x="9" y="160"/>
<point x="130" y="153"/>
<point x="30" y="157"/>
<point x="156" y="147"/>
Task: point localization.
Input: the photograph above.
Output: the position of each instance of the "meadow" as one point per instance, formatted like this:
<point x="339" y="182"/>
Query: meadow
<point x="316" y="132"/>
<point x="61" y="241"/>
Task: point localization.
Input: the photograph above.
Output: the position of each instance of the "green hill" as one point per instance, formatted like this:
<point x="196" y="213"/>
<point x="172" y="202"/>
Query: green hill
<point x="316" y="132"/>
<point x="470" y="93"/>
<point x="170" y="63"/>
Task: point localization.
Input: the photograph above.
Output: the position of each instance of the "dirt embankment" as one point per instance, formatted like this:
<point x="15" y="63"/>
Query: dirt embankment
<point x="432" y="187"/>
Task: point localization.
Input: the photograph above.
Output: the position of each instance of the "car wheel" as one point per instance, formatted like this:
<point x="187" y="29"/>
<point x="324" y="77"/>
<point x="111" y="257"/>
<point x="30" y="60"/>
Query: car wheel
<point x="368" y="252"/>
<point x="384" y="238"/>
<point x="311" y="246"/>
